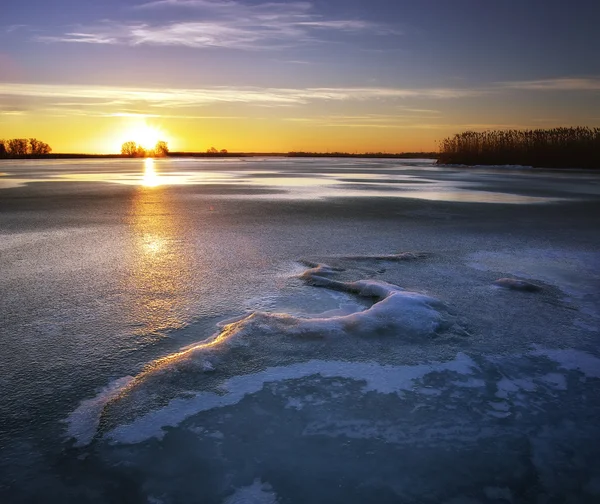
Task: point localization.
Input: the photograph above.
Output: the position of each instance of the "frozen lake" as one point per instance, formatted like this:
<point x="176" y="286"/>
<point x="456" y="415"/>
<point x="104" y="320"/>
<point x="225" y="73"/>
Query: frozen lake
<point x="298" y="331"/>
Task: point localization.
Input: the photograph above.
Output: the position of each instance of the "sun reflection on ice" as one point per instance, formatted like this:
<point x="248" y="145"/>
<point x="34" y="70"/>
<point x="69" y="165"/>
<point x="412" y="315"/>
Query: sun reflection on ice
<point x="152" y="244"/>
<point x="160" y="273"/>
<point x="150" y="178"/>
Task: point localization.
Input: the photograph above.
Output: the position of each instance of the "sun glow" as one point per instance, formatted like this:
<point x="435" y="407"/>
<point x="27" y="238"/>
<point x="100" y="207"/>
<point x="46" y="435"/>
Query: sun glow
<point x="150" y="178"/>
<point x="143" y="135"/>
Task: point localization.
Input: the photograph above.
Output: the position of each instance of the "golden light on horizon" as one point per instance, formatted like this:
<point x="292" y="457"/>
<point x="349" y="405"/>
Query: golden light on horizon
<point x="150" y="178"/>
<point x="143" y="134"/>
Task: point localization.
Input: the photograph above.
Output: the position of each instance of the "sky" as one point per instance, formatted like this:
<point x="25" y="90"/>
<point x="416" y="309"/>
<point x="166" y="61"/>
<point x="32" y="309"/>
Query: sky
<point x="278" y="76"/>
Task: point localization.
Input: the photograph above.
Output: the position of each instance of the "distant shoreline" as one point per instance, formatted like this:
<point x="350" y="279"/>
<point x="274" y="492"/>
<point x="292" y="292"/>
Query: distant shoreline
<point x="404" y="155"/>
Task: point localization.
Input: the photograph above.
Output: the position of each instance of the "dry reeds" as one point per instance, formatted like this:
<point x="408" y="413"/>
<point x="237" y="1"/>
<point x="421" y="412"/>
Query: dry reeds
<point x="548" y="148"/>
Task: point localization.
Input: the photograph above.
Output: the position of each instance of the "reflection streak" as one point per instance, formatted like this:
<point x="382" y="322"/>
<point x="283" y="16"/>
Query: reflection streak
<point x="160" y="276"/>
<point x="151" y="178"/>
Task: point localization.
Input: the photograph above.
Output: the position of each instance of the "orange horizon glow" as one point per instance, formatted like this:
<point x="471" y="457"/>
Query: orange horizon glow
<point x="90" y="135"/>
<point x="274" y="131"/>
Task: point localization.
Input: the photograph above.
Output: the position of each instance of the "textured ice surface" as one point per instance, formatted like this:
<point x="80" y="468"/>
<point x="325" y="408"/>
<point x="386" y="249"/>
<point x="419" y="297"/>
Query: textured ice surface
<point x="465" y="374"/>
<point x="516" y="284"/>
<point x="387" y="376"/>
<point x="576" y="273"/>
<point x="309" y="400"/>
<point x="342" y="178"/>
<point x="227" y="361"/>
<point x="349" y="431"/>
<point x="257" y="493"/>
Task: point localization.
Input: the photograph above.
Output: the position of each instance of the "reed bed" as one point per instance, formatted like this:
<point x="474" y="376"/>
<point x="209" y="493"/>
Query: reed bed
<point x="544" y="148"/>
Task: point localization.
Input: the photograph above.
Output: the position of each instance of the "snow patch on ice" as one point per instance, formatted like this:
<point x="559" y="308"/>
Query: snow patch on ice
<point x="397" y="311"/>
<point x="83" y="422"/>
<point x="408" y="316"/>
<point x="378" y="378"/>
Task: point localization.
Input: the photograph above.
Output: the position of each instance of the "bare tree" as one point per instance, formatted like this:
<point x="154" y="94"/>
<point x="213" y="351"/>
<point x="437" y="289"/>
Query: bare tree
<point x="161" y="149"/>
<point x="212" y="150"/>
<point x="38" y="148"/>
<point x="17" y="146"/>
<point x="129" y="149"/>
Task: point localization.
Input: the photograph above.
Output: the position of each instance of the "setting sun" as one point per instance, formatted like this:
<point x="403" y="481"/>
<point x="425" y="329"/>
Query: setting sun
<point x="143" y="135"/>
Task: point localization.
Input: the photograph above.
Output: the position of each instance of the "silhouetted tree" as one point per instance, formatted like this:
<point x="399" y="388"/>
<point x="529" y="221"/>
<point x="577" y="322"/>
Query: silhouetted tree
<point x="223" y="151"/>
<point x="17" y="146"/>
<point x="161" y="149"/>
<point x="38" y="148"/>
<point x="129" y="149"/>
<point x="212" y="150"/>
<point x="2" y="148"/>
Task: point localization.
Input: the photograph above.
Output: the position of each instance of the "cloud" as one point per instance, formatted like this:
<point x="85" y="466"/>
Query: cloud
<point x="11" y="112"/>
<point x="15" y="27"/>
<point x="560" y="84"/>
<point x="359" y="121"/>
<point x="228" y="24"/>
<point x="347" y="25"/>
<point x="468" y="126"/>
<point x="193" y="4"/>
<point x="420" y="110"/>
<point x="153" y="98"/>
<point x="81" y="38"/>
<point x="111" y="99"/>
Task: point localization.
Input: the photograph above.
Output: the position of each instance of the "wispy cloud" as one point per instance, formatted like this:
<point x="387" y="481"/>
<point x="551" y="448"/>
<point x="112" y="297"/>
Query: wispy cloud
<point x="149" y="97"/>
<point x="427" y="112"/>
<point x="10" y="112"/>
<point x="227" y="24"/>
<point x="560" y="84"/>
<point x="67" y="110"/>
<point x="150" y="100"/>
<point x="81" y="38"/>
<point x="359" y="121"/>
<point x="194" y="4"/>
<point x="397" y="122"/>
<point x="14" y="28"/>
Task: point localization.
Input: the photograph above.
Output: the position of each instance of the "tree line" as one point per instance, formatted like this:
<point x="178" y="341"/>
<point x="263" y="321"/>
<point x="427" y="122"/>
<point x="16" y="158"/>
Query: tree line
<point x="546" y="148"/>
<point x="161" y="149"/>
<point x="212" y="150"/>
<point x="132" y="149"/>
<point x="21" y="147"/>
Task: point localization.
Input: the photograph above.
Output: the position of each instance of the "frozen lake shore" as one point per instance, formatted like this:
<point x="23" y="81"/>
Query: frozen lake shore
<point x="298" y="331"/>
